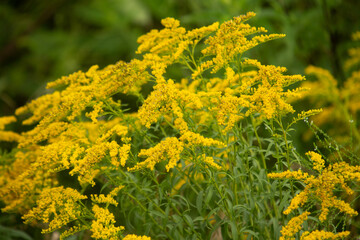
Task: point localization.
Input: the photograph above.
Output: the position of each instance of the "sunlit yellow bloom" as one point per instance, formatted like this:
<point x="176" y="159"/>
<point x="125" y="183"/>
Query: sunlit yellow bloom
<point x="108" y="199"/>
<point x="56" y="206"/>
<point x="321" y="187"/>
<point x="210" y="162"/>
<point x="95" y="113"/>
<point x="323" y="235"/>
<point x="191" y="138"/>
<point x="318" y="162"/>
<point x="170" y="149"/>
<point x="293" y="226"/>
<point x="72" y="231"/>
<point x="8" y="136"/>
<point x="135" y="237"/>
<point x="103" y="226"/>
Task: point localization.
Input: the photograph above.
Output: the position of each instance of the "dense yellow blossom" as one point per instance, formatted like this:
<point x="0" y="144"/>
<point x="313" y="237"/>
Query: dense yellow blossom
<point x="210" y="162"/>
<point x="95" y="113"/>
<point x="84" y="88"/>
<point x="103" y="226"/>
<point x="21" y="183"/>
<point x="9" y="136"/>
<point x="108" y="199"/>
<point x="322" y="235"/>
<point x="5" y="121"/>
<point x="318" y="162"/>
<point x="72" y="231"/>
<point x="167" y="99"/>
<point x="135" y="237"/>
<point x="231" y="39"/>
<point x="170" y="149"/>
<point x="321" y="186"/>
<point x="43" y="133"/>
<point x="228" y="110"/>
<point x="56" y="206"/>
<point x="191" y="138"/>
<point x="270" y="97"/>
<point x="293" y="226"/>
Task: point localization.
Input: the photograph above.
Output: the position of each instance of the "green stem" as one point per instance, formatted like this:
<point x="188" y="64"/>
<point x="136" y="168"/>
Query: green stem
<point x="175" y="209"/>
<point x="287" y="150"/>
<point x="151" y="217"/>
<point x="259" y="142"/>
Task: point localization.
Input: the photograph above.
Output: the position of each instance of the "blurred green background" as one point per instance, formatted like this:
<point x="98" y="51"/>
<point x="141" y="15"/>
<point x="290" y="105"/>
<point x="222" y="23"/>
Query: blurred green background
<point x="41" y="41"/>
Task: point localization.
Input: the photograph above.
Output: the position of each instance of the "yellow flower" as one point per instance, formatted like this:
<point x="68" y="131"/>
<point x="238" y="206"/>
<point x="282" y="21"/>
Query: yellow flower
<point x="72" y="231"/>
<point x="20" y="181"/>
<point x="321" y="187"/>
<point x="108" y="199"/>
<point x="318" y="162"/>
<point x="170" y="149"/>
<point x="269" y="98"/>
<point x="191" y="138"/>
<point x="56" y="206"/>
<point x="103" y="226"/>
<point x="95" y="113"/>
<point x="135" y="237"/>
<point x="323" y="235"/>
<point x="210" y="162"/>
<point x="293" y="226"/>
<point x="8" y="136"/>
<point x="231" y="39"/>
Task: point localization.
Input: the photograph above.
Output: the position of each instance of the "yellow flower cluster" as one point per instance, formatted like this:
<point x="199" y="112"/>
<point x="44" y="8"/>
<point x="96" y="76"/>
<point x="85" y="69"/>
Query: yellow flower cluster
<point x="108" y="199"/>
<point x="166" y="99"/>
<point x="210" y="161"/>
<point x="8" y="136"/>
<point x="103" y="225"/>
<point x="269" y="98"/>
<point x="321" y="188"/>
<point x="134" y="237"/>
<point x="170" y="148"/>
<point x="56" y="206"/>
<point x="318" y="162"/>
<point x="195" y="139"/>
<point x="72" y="230"/>
<point x="260" y="91"/>
<point x="231" y="40"/>
<point x="21" y="183"/>
<point x="322" y="235"/>
<point x="293" y="226"/>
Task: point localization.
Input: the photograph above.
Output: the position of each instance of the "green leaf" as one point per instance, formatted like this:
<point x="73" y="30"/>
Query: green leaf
<point x="189" y="220"/>
<point x="234" y="231"/>
<point x="209" y="194"/>
<point x="199" y="201"/>
<point x="13" y="233"/>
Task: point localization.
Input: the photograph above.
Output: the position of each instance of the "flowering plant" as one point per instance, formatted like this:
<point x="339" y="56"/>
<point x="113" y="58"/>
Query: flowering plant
<point x="193" y="161"/>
